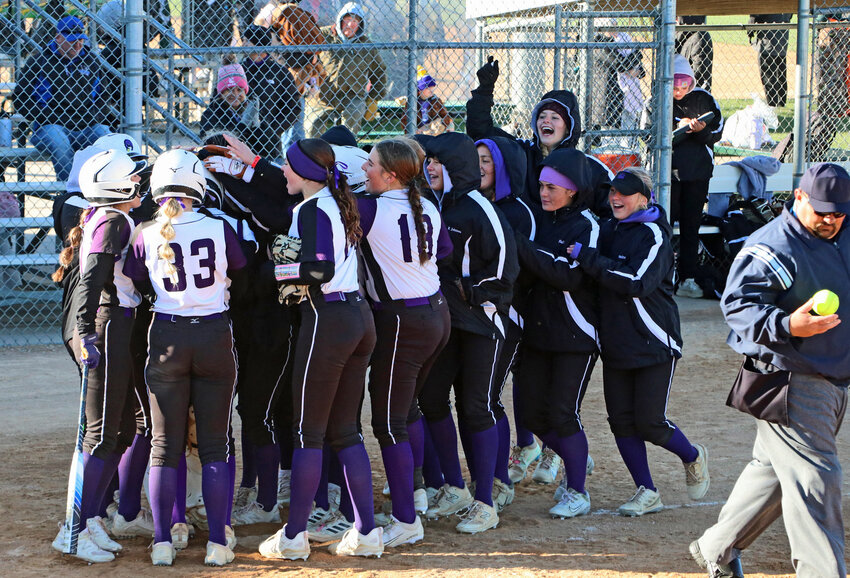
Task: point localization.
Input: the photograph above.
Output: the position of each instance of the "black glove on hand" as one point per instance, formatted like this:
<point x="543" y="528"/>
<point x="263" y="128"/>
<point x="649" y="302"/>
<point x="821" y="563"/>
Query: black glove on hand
<point x="488" y="75"/>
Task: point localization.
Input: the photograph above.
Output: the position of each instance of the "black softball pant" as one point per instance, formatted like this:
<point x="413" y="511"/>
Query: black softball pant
<point x="265" y="371"/>
<point x="335" y="342"/>
<point x="139" y="352"/>
<point x="636" y="400"/>
<point x="190" y="361"/>
<point x="508" y="361"/>
<point x="409" y="340"/>
<point x="469" y="362"/>
<point x="687" y="200"/>
<point x="109" y="399"/>
<point x="553" y="386"/>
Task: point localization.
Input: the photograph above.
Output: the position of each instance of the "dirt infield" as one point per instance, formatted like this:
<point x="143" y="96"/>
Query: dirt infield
<point x="38" y="406"/>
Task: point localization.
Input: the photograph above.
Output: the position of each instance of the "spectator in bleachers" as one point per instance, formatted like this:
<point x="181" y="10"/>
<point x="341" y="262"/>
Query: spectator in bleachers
<point x="231" y="110"/>
<point x="61" y="91"/>
<point x="274" y="88"/>
<point x="432" y="116"/>
<point x="698" y="48"/>
<point x="352" y="75"/>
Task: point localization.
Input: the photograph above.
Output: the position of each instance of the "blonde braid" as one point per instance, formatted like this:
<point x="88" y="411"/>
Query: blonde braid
<point x="171" y="209"/>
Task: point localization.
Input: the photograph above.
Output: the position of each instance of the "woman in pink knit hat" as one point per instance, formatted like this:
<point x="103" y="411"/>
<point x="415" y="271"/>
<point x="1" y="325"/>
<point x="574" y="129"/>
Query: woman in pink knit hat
<point x="231" y="110"/>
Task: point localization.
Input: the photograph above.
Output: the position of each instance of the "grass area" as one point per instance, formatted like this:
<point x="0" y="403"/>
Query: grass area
<point x="739" y="37"/>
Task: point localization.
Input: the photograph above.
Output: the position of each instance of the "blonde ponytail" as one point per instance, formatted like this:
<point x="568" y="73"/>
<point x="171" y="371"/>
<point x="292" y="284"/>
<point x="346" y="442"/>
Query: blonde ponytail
<point x="170" y="210"/>
<point x="75" y="238"/>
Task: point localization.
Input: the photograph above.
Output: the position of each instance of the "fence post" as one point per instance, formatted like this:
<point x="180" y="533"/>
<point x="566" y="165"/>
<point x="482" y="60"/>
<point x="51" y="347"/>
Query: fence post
<point x="133" y="70"/>
<point x="556" y="85"/>
<point x="412" y="56"/>
<point x="801" y="92"/>
<point x="664" y="116"/>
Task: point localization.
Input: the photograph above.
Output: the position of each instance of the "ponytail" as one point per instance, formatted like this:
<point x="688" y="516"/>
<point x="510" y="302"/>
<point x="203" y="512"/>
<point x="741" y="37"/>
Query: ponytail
<point x="75" y="238"/>
<point x="169" y="210"/>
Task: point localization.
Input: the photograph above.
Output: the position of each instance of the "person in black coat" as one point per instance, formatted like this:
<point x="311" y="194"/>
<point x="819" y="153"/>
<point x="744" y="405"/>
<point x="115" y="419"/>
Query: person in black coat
<point x="772" y="46"/>
<point x="555" y="123"/>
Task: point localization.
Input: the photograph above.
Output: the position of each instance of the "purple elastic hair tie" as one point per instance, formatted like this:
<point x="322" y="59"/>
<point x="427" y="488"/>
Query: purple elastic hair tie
<point x="164" y="200"/>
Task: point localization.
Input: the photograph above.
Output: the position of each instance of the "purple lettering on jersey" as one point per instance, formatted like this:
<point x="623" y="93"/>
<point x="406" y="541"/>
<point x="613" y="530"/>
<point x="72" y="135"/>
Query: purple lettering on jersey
<point x="207" y="246"/>
<point x="368" y="207"/>
<point x="169" y="285"/>
<point x="444" y="243"/>
<point x="233" y="250"/>
<point x="406" y="239"/>
<point x="134" y="265"/>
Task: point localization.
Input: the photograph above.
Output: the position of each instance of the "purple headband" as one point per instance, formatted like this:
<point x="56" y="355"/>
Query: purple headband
<point x="307" y="168"/>
<point x="550" y="175"/>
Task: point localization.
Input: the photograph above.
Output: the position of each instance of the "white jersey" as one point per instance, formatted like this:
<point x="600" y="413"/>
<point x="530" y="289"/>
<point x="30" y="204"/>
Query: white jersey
<point x="390" y="247"/>
<point x="204" y="249"/>
<point x="80" y="157"/>
<point x="108" y="231"/>
<point x="318" y="223"/>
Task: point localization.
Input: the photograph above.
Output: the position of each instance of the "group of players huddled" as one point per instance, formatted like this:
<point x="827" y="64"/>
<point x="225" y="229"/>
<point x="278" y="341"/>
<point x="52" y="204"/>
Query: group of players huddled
<point x="425" y="265"/>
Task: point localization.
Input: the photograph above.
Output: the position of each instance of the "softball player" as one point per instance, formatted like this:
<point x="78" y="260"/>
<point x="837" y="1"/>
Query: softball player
<point x="477" y="280"/>
<point x="560" y="342"/>
<point x="186" y="259"/>
<point x="403" y="237"/>
<point x="105" y="300"/>
<point x="334" y="344"/>
<point x="639" y="331"/>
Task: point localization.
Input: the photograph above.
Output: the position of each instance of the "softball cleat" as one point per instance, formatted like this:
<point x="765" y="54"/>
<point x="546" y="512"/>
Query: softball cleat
<point x="218" y="555"/>
<point x="521" y="458"/>
<point x="280" y="547"/>
<point x="397" y="533"/>
<point x="354" y="543"/>
<point x="696" y="474"/>
<point x="163" y="554"/>
<point x="479" y="518"/>
<point x="644" y="501"/>
<point x="571" y="505"/>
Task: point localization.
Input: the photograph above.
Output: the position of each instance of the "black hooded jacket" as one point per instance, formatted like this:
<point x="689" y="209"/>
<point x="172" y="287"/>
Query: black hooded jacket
<point x="560" y="306"/>
<point x="479" y="124"/>
<point x="639" y="321"/>
<point x="478" y="277"/>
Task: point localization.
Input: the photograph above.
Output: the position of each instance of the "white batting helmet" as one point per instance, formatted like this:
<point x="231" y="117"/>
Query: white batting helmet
<point x="349" y="161"/>
<point x="122" y="142"/>
<point x="106" y="178"/>
<point x="214" y="194"/>
<point x="178" y="173"/>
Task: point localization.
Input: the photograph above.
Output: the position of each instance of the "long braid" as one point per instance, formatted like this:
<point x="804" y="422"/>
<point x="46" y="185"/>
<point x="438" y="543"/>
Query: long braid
<point x="415" y="197"/>
<point x="347" y="208"/>
<point x="75" y="238"/>
<point x="404" y="157"/>
<point x="169" y="210"/>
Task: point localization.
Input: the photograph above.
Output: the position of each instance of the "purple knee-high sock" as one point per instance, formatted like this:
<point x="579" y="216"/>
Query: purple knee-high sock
<point x="416" y="439"/>
<point x="284" y="444"/>
<point x="90" y="502"/>
<point x="163" y="488"/>
<point x="306" y="473"/>
<point x="108" y="483"/>
<point x="524" y="437"/>
<point x="249" y="463"/>
<point x="321" y="497"/>
<point x="398" y="463"/>
<point x="337" y="476"/>
<point x="484" y="462"/>
<point x="468" y="448"/>
<point x="358" y="477"/>
<point x="444" y="435"/>
<point x="679" y="445"/>
<point x="431" y="471"/>
<point x="231" y="471"/>
<point x="267" y="460"/>
<point x="633" y="451"/>
<point x="178" y="512"/>
<point x="131" y="475"/>
<point x="503" y="454"/>
<point x="573" y="450"/>
<point x="214" y="481"/>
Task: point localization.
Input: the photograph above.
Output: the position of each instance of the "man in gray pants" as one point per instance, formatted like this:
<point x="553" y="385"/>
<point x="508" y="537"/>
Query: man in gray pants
<point x="795" y="470"/>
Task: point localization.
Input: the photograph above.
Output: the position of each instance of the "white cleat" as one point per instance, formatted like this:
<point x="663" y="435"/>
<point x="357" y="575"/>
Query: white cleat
<point x="450" y="500"/>
<point x="218" y="555"/>
<point x="87" y="549"/>
<point x="180" y="536"/>
<point x="397" y="533"/>
<point x="280" y="547"/>
<point x="420" y="500"/>
<point x="571" y="505"/>
<point x="97" y="531"/>
<point x="561" y="490"/>
<point x="521" y="458"/>
<point x="547" y="468"/>
<point x="479" y="518"/>
<point x="331" y="529"/>
<point x="644" y="501"/>
<point x="163" y="554"/>
<point x="696" y="474"/>
<point x="230" y="535"/>
<point x="244" y="496"/>
<point x="254" y="513"/>
<point x="503" y="494"/>
<point x="141" y="525"/>
<point x="354" y="543"/>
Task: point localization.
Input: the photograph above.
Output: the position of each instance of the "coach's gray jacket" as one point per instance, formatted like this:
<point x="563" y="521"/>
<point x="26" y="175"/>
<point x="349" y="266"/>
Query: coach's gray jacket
<point x="780" y="267"/>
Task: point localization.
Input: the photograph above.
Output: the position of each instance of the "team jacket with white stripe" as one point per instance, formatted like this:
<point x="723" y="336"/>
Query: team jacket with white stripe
<point x="484" y="261"/>
<point x="780" y="267"/>
<point x="693" y="156"/>
<point x="560" y="307"/>
<point x="638" y="319"/>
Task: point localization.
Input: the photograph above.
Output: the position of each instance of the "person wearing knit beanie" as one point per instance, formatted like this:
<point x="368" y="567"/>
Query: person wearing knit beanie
<point x="229" y="76"/>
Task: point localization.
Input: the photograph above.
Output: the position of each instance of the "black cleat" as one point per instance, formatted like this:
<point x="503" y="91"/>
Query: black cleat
<point x="731" y="570"/>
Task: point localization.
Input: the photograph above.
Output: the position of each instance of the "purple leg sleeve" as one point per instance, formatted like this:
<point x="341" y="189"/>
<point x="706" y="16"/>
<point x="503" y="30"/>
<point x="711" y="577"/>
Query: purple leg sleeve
<point x="306" y="473"/>
<point x="680" y="446"/>
<point x="484" y="462"/>
<point x="524" y="437"/>
<point x="504" y="452"/>
<point x="573" y="450"/>
<point x="445" y="443"/>
<point x="108" y="484"/>
<point x="416" y="438"/>
<point x="214" y="482"/>
<point x="398" y="463"/>
<point x="431" y="471"/>
<point x="231" y="471"/>
<point x="178" y="512"/>
<point x="267" y="464"/>
<point x="633" y="451"/>
<point x="358" y="476"/>
<point x="163" y="486"/>
<point x="92" y="472"/>
<point x="131" y="475"/>
<point x="321" y="498"/>
<point x="249" y="464"/>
